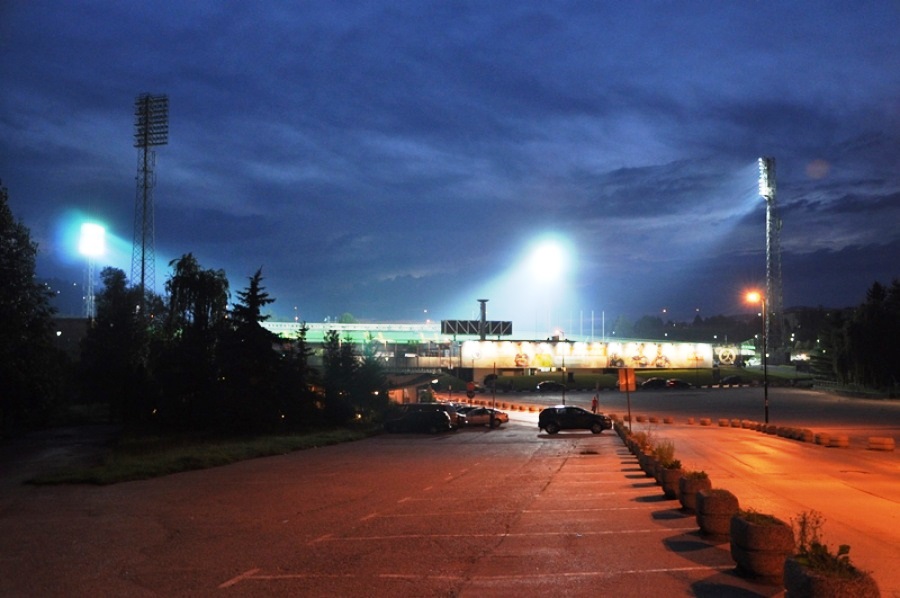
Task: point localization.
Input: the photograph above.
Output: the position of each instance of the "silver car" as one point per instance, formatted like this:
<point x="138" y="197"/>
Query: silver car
<point x="483" y="416"/>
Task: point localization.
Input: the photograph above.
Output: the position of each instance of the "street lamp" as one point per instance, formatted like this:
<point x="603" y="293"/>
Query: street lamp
<point x="757" y="297"/>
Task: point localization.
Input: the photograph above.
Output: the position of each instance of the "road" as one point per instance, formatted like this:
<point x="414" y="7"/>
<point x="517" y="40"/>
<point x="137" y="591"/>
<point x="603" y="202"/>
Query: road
<point x="473" y="513"/>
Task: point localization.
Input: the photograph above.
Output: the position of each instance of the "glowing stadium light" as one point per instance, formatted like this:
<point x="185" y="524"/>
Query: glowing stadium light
<point x="767" y="177"/>
<point x="548" y="258"/>
<point x="92" y="242"/>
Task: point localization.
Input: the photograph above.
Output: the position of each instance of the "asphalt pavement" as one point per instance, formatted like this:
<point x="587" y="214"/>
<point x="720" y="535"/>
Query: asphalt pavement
<point x="473" y="513"/>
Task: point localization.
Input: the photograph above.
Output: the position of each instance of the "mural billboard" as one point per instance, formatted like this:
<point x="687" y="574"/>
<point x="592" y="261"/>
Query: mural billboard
<point x="588" y="355"/>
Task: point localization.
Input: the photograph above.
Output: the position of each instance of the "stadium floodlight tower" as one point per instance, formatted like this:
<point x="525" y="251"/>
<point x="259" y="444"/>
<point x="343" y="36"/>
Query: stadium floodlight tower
<point x="775" y="315"/>
<point x="151" y="128"/>
<point x="91" y="244"/>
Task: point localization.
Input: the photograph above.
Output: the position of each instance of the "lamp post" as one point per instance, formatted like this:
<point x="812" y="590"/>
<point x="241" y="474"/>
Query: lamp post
<point x="757" y="297"/>
<point x="91" y="244"/>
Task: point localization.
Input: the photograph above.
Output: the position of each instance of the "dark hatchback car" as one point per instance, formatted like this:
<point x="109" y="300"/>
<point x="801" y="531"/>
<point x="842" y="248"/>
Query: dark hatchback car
<point x="677" y="384"/>
<point x="551" y="386"/>
<point x="431" y="421"/>
<point x="654" y="383"/>
<point x="568" y="417"/>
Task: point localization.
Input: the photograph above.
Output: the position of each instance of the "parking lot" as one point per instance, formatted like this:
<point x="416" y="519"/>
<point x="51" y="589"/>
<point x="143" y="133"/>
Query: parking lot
<point x="477" y="512"/>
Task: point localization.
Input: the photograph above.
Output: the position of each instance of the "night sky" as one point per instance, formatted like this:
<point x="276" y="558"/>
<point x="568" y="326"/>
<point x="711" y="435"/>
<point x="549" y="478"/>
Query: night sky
<point x="400" y="160"/>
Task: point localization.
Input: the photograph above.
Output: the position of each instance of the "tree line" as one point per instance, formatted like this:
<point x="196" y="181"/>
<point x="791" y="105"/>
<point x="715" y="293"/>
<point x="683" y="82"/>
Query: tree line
<point x="860" y="346"/>
<point x="184" y="361"/>
<point x="178" y="362"/>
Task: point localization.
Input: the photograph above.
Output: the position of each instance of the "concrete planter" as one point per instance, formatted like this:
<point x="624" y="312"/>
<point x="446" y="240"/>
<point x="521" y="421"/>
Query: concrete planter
<point x="715" y="507"/>
<point x="688" y="487"/>
<point x="669" y="480"/>
<point x="802" y="582"/>
<point x="648" y="464"/>
<point x="657" y="472"/>
<point x="759" y="546"/>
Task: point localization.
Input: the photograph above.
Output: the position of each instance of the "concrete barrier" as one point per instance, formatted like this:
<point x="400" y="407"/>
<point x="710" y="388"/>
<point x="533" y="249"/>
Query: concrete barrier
<point x="839" y="441"/>
<point x="881" y="443"/>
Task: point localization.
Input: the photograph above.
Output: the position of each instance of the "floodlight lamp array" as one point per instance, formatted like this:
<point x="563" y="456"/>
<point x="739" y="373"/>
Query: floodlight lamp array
<point x="151" y="120"/>
<point x="92" y="242"/>
<point x="767" y="177"/>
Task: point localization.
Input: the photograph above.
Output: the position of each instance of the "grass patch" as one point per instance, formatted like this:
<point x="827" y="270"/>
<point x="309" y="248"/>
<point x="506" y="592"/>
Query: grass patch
<point x="146" y="457"/>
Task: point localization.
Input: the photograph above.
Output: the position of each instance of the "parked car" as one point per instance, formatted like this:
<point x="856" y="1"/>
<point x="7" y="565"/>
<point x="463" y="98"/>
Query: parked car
<point x="465" y="409"/>
<point x="445" y="407"/>
<point x="412" y="420"/>
<point x="454" y="405"/>
<point x="651" y="383"/>
<point x="551" y="386"/>
<point x="677" y="384"/>
<point x="730" y="380"/>
<point x="569" y="417"/>
<point x="482" y="416"/>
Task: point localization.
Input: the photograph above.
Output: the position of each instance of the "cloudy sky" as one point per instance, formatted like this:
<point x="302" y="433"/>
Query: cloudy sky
<point x="400" y="160"/>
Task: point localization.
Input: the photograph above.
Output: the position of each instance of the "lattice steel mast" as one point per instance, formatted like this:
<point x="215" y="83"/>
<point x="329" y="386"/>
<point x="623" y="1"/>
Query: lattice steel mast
<point x="775" y="308"/>
<point x="151" y="128"/>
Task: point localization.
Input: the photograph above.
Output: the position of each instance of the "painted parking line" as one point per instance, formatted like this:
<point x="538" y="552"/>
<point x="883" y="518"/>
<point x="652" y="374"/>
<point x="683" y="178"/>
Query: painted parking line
<point x="463" y="513"/>
<point x="255" y="575"/>
<point x="235" y="580"/>
<point x="395" y="537"/>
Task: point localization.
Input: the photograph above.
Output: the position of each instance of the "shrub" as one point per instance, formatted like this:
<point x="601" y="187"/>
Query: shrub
<point x="696" y="475"/>
<point x="642" y="439"/>
<point x="664" y="451"/>
<point x="758" y="518"/>
<point x="814" y="553"/>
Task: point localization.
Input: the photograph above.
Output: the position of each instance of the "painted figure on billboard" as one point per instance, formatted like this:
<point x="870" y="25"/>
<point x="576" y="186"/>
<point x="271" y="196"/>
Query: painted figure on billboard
<point x="578" y="354"/>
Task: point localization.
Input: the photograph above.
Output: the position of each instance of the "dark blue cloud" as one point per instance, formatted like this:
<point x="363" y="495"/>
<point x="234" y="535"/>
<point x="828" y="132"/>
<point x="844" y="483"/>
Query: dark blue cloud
<point x="386" y="159"/>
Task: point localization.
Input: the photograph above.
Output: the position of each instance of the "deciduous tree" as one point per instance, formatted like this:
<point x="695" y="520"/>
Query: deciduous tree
<point x="30" y="368"/>
<point x="187" y="362"/>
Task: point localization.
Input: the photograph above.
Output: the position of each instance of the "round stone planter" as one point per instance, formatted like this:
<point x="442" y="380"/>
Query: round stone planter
<point x="715" y="507"/>
<point x="802" y="582"/>
<point x="657" y="472"/>
<point x="688" y="487"/>
<point x="669" y="480"/>
<point x="648" y="464"/>
<point x="759" y="547"/>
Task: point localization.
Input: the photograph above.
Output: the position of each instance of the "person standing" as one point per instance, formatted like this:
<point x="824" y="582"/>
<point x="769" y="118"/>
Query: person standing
<point x="594" y="403"/>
